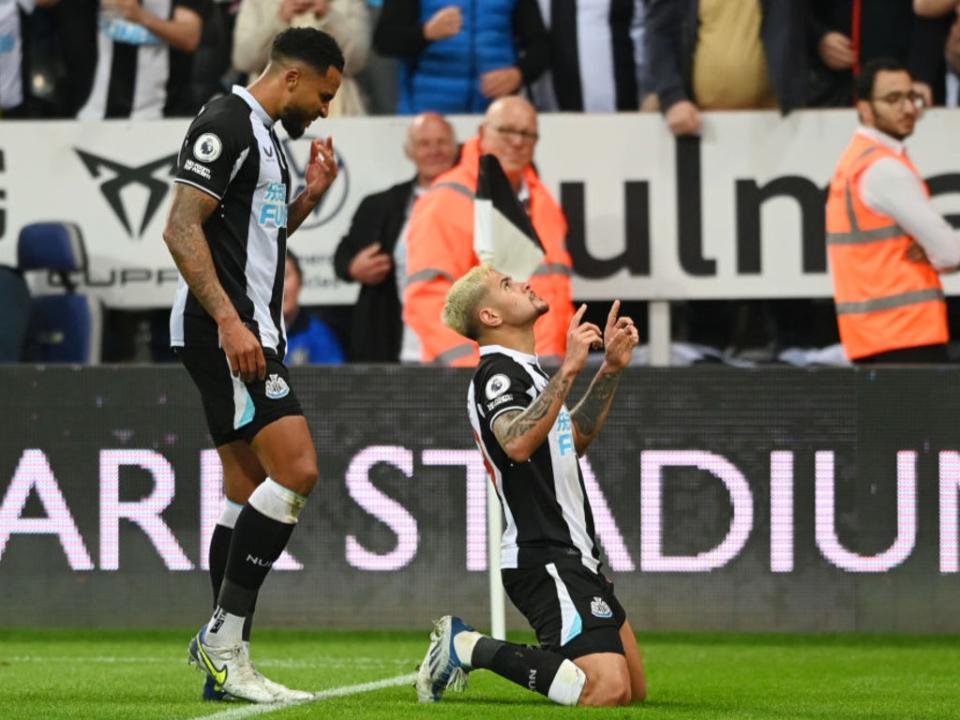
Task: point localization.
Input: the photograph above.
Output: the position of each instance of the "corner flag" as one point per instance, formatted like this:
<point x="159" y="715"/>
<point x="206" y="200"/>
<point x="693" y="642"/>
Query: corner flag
<point x="502" y="232"/>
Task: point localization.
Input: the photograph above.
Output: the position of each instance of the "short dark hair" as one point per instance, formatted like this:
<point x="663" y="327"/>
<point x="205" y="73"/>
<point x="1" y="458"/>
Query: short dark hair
<point x="314" y="47"/>
<point x="869" y="72"/>
<point x="296" y="263"/>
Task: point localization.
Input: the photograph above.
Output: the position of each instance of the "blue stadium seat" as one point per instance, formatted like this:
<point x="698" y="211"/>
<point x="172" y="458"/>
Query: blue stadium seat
<point x="67" y="327"/>
<point x="15" y="301"/>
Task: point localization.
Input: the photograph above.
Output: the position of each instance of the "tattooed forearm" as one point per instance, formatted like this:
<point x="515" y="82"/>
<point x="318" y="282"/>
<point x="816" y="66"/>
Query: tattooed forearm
<point x="589" y="414"/>
<point x="530" y="427"/>
<point x="188" y="246"/>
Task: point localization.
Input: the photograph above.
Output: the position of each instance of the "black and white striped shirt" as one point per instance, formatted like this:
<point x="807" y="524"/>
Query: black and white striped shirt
<point x="138" y="75"/>
<point x="232" y="153"/>
<point x="597" y="61"/>
<point x="548" y="515"/>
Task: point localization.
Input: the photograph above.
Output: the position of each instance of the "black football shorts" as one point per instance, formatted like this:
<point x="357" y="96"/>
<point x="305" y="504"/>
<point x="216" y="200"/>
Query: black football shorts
<point x="571" y="608"/>
<point x="236" y="410"/>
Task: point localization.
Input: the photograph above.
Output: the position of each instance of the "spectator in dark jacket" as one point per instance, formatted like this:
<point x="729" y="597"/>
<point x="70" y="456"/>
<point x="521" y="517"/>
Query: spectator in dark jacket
<point x="460" y="60"/>
<point x="889" y="29"/>
<point x="370" y="252"/>
<point x="725" y="55"/>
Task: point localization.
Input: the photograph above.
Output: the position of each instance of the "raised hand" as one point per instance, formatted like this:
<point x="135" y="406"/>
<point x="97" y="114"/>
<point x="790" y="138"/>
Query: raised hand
<point x="620" y="337"/>
<point x="581" y="337"/>
<point x="321" y="170"/>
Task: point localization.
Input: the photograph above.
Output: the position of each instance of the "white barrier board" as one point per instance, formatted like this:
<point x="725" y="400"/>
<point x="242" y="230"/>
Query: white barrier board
<point x="737" y="214"/>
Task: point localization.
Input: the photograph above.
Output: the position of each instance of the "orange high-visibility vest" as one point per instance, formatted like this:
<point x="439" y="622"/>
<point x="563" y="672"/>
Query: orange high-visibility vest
<point x="440" y="250"/>
<point x="884" y="301"/>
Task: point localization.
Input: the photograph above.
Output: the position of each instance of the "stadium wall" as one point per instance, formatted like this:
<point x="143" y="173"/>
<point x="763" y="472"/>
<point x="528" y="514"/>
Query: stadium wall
<point x="774" y="499"/>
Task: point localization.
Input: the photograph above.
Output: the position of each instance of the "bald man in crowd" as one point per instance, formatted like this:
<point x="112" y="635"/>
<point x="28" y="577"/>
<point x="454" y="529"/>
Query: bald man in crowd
<point x="373" y="253"/>
<point x="440" y="242"/>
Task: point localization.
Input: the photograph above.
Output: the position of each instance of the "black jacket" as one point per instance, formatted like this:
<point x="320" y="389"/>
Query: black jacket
<point x="672" y="27"/>
<point x="376" y="329"/>
<point x="888" y="29"/>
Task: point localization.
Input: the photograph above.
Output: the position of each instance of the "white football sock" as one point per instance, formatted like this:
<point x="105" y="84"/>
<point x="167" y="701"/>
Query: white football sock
<point x="464" y="643"/>
<point x="224" y="629"/>
<point x="231" y="511"/>
<point x="277" y="502"/>
<point x="567" y="684"/>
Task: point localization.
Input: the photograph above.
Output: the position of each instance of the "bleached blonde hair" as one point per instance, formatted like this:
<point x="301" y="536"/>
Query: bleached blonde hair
<point x="463" y="301"/>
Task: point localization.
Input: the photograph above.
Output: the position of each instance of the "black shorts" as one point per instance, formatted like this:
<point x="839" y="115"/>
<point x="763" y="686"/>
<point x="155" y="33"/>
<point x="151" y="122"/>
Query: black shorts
<point x="236" y="410"/>
<point x="572" y="609"/>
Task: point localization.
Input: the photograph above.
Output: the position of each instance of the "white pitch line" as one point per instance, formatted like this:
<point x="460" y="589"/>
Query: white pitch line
<point x="320" y="661"/>
<point x="251" y="710"/>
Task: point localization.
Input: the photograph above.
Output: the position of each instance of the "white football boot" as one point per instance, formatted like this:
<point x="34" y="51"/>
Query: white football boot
<point x="441" y="668"/>
<point x="282" y="692"/>
<point x="230" y="670"/>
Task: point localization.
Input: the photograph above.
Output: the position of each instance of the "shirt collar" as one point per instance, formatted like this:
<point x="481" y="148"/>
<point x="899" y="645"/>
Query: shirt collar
<point x="515" y="354"/>
<point x="254" y="104"/>
<point x="882" y="137"/>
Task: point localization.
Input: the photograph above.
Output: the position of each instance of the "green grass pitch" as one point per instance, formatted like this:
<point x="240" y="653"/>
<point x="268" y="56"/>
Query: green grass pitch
<point x="112" y="674"/>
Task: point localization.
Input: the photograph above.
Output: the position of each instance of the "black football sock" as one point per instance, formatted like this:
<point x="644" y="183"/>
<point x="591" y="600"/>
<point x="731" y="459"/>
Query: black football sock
<point x="217" y="556"/>
<point x="257" y="543"/>
<point x="262" y="531"/>
<point x="542" y="671"/>
<point x="219" y="550"/>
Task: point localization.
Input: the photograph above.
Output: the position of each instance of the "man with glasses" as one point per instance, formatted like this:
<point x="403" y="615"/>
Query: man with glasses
<point x="440" y="247"/>
<point x="886" y="241"/>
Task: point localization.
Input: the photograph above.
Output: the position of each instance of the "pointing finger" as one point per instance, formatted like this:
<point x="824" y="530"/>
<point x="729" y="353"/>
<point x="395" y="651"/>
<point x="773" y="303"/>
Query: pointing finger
<point x="612" y="315"/>
<point x="578" y="316"/>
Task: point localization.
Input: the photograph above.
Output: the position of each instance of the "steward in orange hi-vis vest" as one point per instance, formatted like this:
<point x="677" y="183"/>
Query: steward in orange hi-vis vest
<point x="885" y="299"/>
<point x="440" y="250"/>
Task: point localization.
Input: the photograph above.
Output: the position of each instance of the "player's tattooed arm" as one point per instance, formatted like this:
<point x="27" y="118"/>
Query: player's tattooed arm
<point x="185" y="237"/>
<point x="187" y="243"/>
<point x="620" y="337"/>
<point x="591" y="412"/>
<point x="521" y="432"/>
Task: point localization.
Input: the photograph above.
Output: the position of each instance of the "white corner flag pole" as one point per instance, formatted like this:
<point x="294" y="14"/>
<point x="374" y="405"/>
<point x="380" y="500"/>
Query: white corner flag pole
<point x="498" y="609"/>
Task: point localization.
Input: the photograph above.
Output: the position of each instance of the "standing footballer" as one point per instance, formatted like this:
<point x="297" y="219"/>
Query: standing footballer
<point x="588" y="654"/>
<point x="227" y="232"/>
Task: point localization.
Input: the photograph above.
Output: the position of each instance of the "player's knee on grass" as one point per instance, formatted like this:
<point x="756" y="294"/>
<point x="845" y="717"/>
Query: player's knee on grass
<point x="608" y="685"/>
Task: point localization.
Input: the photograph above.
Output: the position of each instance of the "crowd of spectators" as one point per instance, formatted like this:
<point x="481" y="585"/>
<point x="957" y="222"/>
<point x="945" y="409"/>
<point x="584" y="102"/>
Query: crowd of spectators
<point x="156" y="58"/>
<point x="146" y="58"/>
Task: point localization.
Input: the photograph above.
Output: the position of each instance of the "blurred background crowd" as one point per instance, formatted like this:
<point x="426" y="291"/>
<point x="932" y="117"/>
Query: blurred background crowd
<point x="146" y="59"/>
<point x="72" y="58"/>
